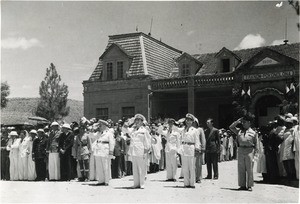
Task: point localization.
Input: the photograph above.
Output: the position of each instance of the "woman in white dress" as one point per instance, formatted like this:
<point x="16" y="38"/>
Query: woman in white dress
<point x="13" y="147"/>
<point x="31" y="165"/>
<point x="23" y="159"/>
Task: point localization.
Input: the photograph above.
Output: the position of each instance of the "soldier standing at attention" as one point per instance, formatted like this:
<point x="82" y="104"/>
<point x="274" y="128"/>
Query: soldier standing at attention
<point x="139" y="146"/>
<point x="190" y="144"/>
<point x="103" y="149"/>
<point x="247" y="141"/>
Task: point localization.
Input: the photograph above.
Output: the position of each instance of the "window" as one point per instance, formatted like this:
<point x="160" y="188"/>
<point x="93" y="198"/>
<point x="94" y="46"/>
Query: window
<point x="226" y="65"/>
<point x="120" y="70"/>
<point x="185" y="70"/>
<point x="109" y="69"/>
<point x="128" y="112"/>
<point x="102" y="113"/>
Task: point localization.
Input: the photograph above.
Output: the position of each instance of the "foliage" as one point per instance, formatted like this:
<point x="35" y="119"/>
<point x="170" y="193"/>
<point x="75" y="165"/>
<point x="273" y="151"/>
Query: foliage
<point x="4" y="94"/>
<point x="295" y="5"/>
<point x="53" y="96"/>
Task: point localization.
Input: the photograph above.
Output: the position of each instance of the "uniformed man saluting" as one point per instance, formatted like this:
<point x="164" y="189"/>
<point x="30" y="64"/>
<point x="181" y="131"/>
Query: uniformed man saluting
<point x="247" y="141"/>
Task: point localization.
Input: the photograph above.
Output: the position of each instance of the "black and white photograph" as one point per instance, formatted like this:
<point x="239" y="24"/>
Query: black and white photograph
<point x="150" y="101"/>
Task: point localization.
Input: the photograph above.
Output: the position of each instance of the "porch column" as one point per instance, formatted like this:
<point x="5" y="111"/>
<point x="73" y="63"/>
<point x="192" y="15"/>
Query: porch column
<point x="191" y="96"/>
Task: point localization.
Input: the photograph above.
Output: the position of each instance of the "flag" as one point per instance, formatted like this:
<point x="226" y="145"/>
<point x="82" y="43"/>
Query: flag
<point x="248" y="92"/>
<point x="292" y="87"/>
<point x="287" y="89"/>
<point x="243" y="92"/>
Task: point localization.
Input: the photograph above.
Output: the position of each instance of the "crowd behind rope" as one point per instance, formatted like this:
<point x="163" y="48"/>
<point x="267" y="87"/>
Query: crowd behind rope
<point x="99" y="150"/>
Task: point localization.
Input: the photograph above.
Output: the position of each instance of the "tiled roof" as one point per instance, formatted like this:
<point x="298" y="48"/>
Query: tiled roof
<point x="158" y="56"/>
<point x="210" y="61"/>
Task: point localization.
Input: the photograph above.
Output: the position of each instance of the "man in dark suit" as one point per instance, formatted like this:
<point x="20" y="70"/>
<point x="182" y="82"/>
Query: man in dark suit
<point x="65" y="151"/>
<point x="212" y="149"/>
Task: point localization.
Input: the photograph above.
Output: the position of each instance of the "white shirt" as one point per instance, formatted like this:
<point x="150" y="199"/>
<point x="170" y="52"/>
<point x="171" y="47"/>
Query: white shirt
<point x="140" y="140"/>
<point x="104" y="144"/>
<point x="191" y="136"/>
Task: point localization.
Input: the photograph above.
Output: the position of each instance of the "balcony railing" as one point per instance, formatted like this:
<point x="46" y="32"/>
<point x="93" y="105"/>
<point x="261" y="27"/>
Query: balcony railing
<point x="199" y="81"/>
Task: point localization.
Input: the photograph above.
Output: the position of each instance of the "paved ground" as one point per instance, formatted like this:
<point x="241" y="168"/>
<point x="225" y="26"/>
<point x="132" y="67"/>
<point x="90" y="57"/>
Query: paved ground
<point x="156" y="191"/>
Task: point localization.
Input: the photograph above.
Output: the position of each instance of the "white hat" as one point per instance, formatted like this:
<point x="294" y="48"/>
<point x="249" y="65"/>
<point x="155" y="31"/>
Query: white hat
<point x="288" y="115"/>
<point x="103" y="122"/>
<point x="33" y="131"/>
<point x="139" y="116"/>
<point x="66" y="125"/>
<point x="190" y="116"/>
<point x="294" y="119"/>
<point x="13" y="133"/>
<point x="54" y="123"/>
<point x="40" y="130"/>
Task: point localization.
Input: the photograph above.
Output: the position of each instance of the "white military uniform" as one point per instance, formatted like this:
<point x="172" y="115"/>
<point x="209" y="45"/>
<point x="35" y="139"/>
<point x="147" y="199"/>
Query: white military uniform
<point x="23" y="160"/>
<point x="101" y="148"/>
<point x="139" y="143"/>
<point x="190" y="142"/>
<point x="172" y="145"/>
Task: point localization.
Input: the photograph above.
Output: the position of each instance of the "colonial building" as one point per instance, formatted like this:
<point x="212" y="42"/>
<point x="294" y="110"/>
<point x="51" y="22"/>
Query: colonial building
<point x="140" y="74"/>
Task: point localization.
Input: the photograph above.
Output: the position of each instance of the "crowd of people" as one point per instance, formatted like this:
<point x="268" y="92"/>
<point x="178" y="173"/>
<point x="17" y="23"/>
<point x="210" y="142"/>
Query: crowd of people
<point x="100" y="150"/>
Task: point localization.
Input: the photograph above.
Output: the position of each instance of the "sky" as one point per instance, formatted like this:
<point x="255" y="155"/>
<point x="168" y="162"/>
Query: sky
<point x="72" y="35"/>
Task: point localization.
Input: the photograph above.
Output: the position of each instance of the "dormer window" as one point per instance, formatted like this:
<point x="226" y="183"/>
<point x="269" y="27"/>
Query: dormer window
<point x="226" y="65"/>
<point x="109" y="71"/>
<point x="120" y="68"/>
<point x="185" y="71"/>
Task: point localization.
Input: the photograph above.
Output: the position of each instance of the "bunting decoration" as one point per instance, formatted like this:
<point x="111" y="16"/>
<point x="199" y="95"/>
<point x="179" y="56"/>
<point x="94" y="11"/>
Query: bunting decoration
<point x="287" y="89"/>
<point x="243" y="92"/>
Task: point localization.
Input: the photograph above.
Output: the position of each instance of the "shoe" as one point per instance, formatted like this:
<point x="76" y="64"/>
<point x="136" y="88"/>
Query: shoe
<point x="101" y="184"/>
<point x="174" y="180"/>
<point x="215" y="178"/>
<point x="198" y="181"/>
<point x="142" y="187"/>
<point x="169" y="180"/>
<point x="181" y="177"/>
<point x="207" y="177"/>
<point x="249" y="189"/>
<point x="242" y="188"/>
<point x="192" y="187"/>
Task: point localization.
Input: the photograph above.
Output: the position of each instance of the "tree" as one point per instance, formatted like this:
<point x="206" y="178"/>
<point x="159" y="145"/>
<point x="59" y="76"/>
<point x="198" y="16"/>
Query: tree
<point x="4" y="93"/>
<point x="295" y="5"/>
<point x="53" y="96"/>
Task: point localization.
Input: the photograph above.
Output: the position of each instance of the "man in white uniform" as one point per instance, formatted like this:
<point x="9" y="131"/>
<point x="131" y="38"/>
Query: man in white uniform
<point x="139" y="146"/>
<point x="191" y="142"/>
<point x="173" y="139"/>
<point x="103" y="149"/>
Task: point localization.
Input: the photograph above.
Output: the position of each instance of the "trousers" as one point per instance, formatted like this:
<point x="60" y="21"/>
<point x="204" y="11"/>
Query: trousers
<point x="245" y="167"/>
<point x="139" y="171"/>
<point x="198" y="166"/>
<point x="212" y="161"/>
<point x="188" y="166"/>
<point x="40" y="167"/>
<point x="171" y="164"/>
<point x="102" y="169"/>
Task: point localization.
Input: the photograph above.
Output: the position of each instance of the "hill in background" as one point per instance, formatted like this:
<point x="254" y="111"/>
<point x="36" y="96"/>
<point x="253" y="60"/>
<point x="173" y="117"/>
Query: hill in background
<point x="18" y="110"/>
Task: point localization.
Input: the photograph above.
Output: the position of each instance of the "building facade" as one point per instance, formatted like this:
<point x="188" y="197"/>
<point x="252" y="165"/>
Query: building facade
<point x="140" y="74"/>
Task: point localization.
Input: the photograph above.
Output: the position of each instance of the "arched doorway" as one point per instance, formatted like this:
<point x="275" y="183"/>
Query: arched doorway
<point x="266" y="108"/>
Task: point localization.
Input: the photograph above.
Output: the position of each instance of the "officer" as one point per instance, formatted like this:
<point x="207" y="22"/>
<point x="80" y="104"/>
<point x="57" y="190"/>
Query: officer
<point x="103" y="149"/>
<point x="247" y="142"/>
<point x="172" y="145"/>
<point x="190" y="144"/>
<point x="139" y="146"/>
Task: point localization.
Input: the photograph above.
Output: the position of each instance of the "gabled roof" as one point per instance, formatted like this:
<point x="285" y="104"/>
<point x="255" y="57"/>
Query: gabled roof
<point x="224" y="49"/>
<point x="210" y="62"/>
<point x="119" y="47"/>
<point x="190" y="57"/>
<point x="149" y="55"/>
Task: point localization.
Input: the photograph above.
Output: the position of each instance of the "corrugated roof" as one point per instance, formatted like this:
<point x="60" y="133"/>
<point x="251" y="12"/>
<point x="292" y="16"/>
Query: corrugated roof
<point x="210" y="61"/>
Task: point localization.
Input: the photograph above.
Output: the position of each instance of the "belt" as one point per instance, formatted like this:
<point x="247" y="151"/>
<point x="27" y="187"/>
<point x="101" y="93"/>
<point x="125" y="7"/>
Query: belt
<point x="188" y="143"/>
<point x="103" y="142"/>
<point x="83" y="145"/>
